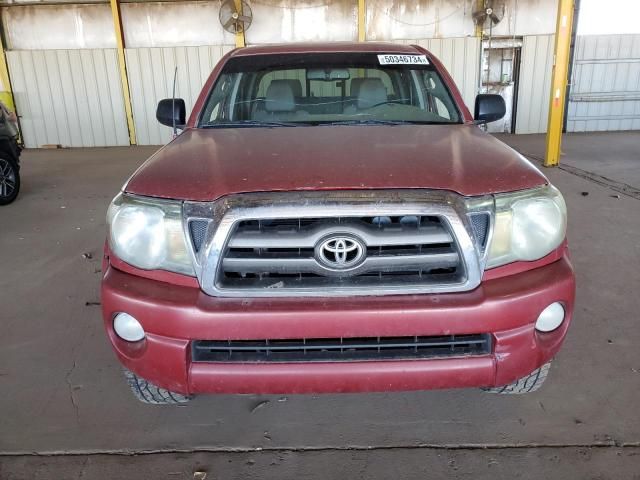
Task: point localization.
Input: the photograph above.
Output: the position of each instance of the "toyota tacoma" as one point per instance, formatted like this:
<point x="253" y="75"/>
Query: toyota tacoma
<point x="332" y="218"/>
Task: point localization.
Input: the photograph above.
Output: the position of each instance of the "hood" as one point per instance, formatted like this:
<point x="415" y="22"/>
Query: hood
<point x="205" y="164"/>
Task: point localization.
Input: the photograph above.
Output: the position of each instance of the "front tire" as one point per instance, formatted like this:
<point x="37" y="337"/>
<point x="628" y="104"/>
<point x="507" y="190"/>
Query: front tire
<point x="9" y="180"/>
<point x="528" y="384"/>
<point x="149" y="393"/>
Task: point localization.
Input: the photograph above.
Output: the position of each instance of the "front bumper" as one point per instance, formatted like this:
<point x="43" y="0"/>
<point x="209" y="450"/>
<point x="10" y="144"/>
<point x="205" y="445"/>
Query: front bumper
<point x="174" y="315"/>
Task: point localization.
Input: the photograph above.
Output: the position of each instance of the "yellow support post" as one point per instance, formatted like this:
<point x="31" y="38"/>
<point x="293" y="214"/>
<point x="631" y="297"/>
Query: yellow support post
<point x="6" y="93"/>
<point x="240" y="40"/>
<point x="117" y="24"/>
<point x="479" y="6"/>
<point x="559" y="80"/>
<point x="362" y="15"/>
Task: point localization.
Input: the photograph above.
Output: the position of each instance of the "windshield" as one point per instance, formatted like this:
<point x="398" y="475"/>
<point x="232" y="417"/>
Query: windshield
<point x="336" y="88"/>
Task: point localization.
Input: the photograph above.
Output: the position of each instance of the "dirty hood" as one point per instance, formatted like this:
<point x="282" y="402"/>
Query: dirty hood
<point x="205" y="164"/>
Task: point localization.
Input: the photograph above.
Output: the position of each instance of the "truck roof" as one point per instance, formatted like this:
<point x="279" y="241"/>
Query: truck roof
<point x="326" y="47"/>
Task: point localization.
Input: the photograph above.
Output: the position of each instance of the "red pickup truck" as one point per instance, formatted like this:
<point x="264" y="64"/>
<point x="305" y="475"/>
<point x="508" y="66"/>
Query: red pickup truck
<point x="332" y="219"/>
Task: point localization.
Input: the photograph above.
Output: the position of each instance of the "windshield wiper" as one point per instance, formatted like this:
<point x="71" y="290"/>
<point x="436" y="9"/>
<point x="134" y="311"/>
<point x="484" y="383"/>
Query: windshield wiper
<point x="251" y="123"/>
<point x="373" y="121"/>
<point x="369" y="121"/>
<point x="435" y="122"/>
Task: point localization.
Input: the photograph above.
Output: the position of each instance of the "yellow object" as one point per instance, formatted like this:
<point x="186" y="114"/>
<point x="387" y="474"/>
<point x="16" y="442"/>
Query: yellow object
<point x="559" y="79"/>
<point x="479" y="6"/>
<point x="7" y="99"/>
<point x="240" y="41"/>
<point x="362" y="15"/>
<point x="4" y="71"/>
<point x="117" y="24"/>
<point x="6" y="94"/>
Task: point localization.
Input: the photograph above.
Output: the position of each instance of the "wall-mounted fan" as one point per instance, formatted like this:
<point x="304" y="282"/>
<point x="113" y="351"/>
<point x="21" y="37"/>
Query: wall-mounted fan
<point x="234" y="19"/>
<point x="490" y="14"/>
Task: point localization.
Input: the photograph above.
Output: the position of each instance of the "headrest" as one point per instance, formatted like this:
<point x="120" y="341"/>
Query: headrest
<point x="279" y="97"/>
<point x="355" y="84"/>
<point x="296" y="86"/>
<point x="372" y="92"/>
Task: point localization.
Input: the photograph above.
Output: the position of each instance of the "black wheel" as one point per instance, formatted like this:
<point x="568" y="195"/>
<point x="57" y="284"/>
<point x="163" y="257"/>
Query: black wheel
<point x="147" y="392"/>
<point x="9" y="180"/>
<point x="528" y="384"/>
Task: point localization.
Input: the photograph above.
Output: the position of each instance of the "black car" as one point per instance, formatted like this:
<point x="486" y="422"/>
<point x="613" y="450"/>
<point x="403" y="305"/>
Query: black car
<point x="9" y="158"/>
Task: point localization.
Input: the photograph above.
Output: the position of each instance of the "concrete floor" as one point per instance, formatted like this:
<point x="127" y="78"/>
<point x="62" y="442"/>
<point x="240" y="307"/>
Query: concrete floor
<point x="608" y="158"/>
<point x="67" y="413"/>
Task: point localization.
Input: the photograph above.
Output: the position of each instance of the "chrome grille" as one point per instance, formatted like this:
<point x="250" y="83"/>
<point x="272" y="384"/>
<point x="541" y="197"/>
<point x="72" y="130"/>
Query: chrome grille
<point x="284" y="243"/>
<point x="282" y="253"/>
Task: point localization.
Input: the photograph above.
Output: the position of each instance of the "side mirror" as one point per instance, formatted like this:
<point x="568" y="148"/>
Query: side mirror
<point x="489" y="108"/>
<point x="172" y="111"/>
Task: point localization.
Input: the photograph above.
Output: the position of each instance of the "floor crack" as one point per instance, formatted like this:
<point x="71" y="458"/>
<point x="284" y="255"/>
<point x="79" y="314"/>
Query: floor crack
<point x="616" y="186"/>
<point x="324" y="448"/>
<point x="84" y="468"/>
<point x="72" y="396"/>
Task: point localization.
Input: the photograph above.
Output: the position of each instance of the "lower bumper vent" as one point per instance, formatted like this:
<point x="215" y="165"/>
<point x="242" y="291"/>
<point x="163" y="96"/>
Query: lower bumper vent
<point x="339" y="349"/>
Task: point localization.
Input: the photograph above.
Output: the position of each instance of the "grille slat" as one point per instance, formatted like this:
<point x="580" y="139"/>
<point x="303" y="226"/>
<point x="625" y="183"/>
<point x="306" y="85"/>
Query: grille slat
<point x="323" y="284"/>
<point x="278" y="237"/>
<point x="340" y="349"/>
<point x="309" y="265"/>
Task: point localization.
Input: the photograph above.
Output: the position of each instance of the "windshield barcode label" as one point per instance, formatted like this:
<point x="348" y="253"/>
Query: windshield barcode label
<point x="403" y="60"/>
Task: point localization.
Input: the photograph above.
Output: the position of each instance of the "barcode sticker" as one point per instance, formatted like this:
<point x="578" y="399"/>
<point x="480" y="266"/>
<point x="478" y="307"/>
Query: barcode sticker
<point x="403" y="60"/>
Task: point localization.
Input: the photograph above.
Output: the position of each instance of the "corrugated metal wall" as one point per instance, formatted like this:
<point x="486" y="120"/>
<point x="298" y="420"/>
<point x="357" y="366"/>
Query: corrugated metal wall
<point x="605" y="92"/>
<point x="535" y="84"/>
<point x="151" y="72"/>
<point x="461" y="57"/>
<point x="69" y="97"/>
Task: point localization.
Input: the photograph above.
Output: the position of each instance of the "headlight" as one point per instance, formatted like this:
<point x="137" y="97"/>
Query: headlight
<point x="528" y="226"/>
<point x="148" y="234"/>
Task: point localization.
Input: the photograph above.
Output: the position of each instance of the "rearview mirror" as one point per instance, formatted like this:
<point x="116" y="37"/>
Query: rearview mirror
<point x="328" y="74"/>
<point x="171" y="111"/>
<point x="489" y="108"/>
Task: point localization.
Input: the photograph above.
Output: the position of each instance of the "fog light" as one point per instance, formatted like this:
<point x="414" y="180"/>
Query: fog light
<point x="128" y="328"/>
<point x="550" y="318"/>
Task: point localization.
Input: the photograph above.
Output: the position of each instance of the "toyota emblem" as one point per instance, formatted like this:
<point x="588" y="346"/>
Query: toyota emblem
<point x="340" y="252"/>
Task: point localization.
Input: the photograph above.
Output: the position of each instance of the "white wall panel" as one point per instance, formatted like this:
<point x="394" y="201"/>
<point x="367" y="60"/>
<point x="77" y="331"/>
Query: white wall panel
<point x="605" y="92"/>
<point x="68" y="97"/>
<point x="173" y="24"/>
<point x="535" y="84"/>
<point x="303" y="20"/>
<point x="151" y="73"/>
<point x="399" y="19"/>
<point x="461" y="57"/>
<point x="50" y="27"/>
